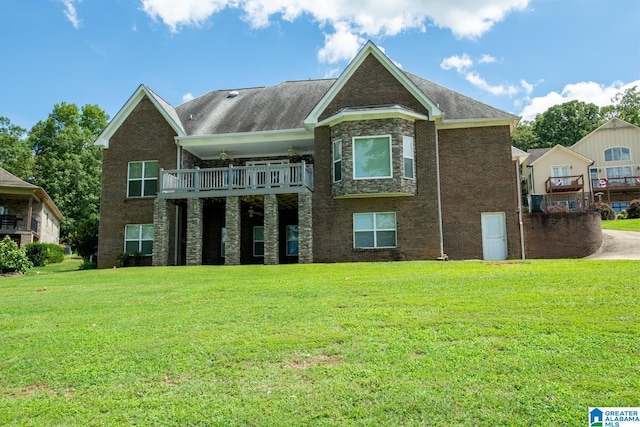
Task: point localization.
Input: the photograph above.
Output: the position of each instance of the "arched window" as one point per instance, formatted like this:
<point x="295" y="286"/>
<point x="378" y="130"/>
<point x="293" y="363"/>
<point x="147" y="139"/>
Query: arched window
<point x="615" y="154"/>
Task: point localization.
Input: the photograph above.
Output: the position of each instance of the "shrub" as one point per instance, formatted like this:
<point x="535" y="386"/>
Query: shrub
<point x="126" y="259"/>
<point x="633" y="209"/>
<point x="36" y="253"/>
<point x="88" y="265"/>
<point x="559" y="208"/>
<point x="12" y="258"/>
<point x="606" y="212"/>
<point x="41" y="254"/>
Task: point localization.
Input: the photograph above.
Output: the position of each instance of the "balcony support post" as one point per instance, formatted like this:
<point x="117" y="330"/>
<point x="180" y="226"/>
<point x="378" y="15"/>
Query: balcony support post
<point x="194" y="232"/>
<point x="160" y="232"/>
<point x="305" y="227"/>
<point x="232" y="225"/>
<point x="271" y="241"/>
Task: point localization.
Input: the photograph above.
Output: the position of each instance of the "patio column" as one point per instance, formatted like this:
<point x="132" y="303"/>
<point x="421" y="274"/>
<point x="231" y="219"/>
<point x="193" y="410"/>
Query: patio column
<point x="271" y="241"/>
<point x="305" y="228"/>
<point x="160" y="232"/>
<point x="194" y="232"/>
<point x="232" y="225"/>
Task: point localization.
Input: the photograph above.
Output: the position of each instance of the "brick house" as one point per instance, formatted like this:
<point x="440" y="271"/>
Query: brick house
<point x="378" y="164"/>
<point x="27" y="213"/>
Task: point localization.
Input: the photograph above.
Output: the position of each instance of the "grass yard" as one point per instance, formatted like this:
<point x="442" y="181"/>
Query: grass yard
<point x="622" y="224"/>
<point x="406" y="343"/>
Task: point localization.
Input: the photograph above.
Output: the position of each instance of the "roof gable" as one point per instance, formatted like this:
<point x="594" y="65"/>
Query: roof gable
<point x="370" y="49"/>
<point x="165" y="109"/>
<point x="563" y="149"/>
<point x="11" y="184"/>
<point x="613" y="123"/>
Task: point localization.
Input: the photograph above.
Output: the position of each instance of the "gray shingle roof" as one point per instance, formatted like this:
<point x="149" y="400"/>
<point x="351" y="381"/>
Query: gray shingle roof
<point x="536" y="153"/>
<point x="286" y="105"/>
<point x="9" y="180"/>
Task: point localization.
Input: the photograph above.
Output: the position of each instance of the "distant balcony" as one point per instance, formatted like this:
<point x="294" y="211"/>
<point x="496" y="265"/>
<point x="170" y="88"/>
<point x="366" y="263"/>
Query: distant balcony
<point x="236" y="180"/>
<point x="16" y="223"/>
<point x="617" y="184"/>
<point x="564" y="184"/>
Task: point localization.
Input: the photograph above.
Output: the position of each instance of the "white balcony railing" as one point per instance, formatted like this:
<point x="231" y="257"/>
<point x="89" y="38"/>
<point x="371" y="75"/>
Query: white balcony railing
<point x="256" y="178"/>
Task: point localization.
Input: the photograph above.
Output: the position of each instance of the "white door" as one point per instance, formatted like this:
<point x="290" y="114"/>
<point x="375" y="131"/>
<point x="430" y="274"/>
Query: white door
<point x="494" y="237"/>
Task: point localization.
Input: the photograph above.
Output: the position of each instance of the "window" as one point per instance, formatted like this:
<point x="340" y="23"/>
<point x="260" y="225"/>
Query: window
<point x="619" y="206"/>
<point x="374" y="230"/>
<point x="372" y="157"/>
<point x="138" y="238"/>
<point x="615" y="154"/>
<point x="619" y="172"/>
<point x="223" y="242"/>
<point x="558" y="171"/>
<point x="337" y="160"/>
<point x="407" y="157"/>
<point x="292" y="240"/>
<point x="143" y="179"/>
<point x="258" y="241"/>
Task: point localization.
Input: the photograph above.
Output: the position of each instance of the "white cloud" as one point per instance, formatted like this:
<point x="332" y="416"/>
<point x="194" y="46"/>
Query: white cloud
<point x="475" y="79"/>
<point x="351" y="20"/>
<point x="486" y="59"/>
<point x="460" y="63"/>
<point x="71" y="13"/>
<point x="528" y="87"/>
<point x="187" y="97"/>
<point x="589" y="92"/>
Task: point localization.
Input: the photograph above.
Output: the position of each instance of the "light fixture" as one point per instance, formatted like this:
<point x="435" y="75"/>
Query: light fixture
<point x="225" y="156"/>
<point x="291" y="152"/>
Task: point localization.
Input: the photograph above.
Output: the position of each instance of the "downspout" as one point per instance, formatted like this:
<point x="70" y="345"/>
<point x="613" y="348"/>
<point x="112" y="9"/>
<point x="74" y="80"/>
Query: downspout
<point x="442" y="254"/>
<point x="520" y="208"/>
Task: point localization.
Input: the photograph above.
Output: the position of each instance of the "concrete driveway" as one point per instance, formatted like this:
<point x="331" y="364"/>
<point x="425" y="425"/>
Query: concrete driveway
<point x="618" y="245"/>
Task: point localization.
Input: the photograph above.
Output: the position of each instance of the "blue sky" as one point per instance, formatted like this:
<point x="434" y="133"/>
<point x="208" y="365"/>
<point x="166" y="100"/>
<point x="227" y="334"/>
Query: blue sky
<point x="518" y="55"/>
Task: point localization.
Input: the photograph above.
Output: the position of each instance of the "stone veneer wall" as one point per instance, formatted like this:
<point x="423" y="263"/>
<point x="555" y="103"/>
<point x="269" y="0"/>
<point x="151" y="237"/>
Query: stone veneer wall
<point x="271" y="240"/>
<point x="305" y="228"/>
<point x="194" y="231"/>
<point x="346" y="131"/>
<point x="232" y="225"/>
<point x="562" y="235"/>
<point x="161" y="230"/>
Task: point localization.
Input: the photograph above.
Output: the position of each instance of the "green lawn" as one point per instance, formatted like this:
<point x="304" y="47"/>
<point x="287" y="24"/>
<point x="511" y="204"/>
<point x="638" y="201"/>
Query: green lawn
<point x="622" y="224"/>
<point x="417" y="343"/>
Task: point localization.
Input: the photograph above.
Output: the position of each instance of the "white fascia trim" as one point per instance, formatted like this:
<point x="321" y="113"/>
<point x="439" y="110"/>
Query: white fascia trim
<point x="476" y="123"/>
<point x="239" y="138"/>
<point x="373" y="114"/>
<point x="566" y="150"/>
<point x="126" y="110"/>
<point x="370" y="47"/>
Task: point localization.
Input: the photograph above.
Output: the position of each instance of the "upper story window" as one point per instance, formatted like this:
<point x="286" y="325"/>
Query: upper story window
<point x="143" y="179"/>
<point x="372" y="157"/>
<point x="138" y="238"/>
<point x="615" y="154"/>
<point x="408" y="157"/>
<point x="337" y="160"/>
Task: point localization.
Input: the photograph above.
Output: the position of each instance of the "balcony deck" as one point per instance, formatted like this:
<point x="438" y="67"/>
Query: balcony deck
<point x="14" y="223"/>
<point x="564" y="184"/>
<point x="616" y="184"/>
<point x="236" y="181"/>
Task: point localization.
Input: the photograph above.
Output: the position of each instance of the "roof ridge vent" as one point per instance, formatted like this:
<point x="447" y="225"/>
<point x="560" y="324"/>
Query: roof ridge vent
<point x="233" y="94"/>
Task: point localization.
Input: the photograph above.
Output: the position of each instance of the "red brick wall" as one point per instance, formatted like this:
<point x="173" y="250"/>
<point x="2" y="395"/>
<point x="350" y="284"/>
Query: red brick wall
<point x="372" y="84"/>
<point x="145" y="135"/>
<point x="562" y="235"/>
<point x="477" y="175"/>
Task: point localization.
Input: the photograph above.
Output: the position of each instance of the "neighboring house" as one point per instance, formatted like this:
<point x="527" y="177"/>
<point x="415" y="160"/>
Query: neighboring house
<point x="602" y="166"/>
<point x="27" y="213"/>
<point x="614" y="176"/>
<point x="557" y="176"/>
<point x="378" y="164"/>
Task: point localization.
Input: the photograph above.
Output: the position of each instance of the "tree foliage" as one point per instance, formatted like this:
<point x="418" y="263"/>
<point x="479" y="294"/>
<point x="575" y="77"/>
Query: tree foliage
<point x="15" y="153"/>
<point x="567" y="123"/>
<point x="626" y="106"/>
<point x="524" y="137"/>
<point x="67" y="163"/>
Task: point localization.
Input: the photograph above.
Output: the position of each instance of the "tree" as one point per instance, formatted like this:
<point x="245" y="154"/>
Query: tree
<point x="15" y="152"/>
<point x="67" y="163"/>
<point x="523" y="136"/>
<point x="567" y="123"/>
<point x="84" y="239"/>
<point x="626" y="106"/>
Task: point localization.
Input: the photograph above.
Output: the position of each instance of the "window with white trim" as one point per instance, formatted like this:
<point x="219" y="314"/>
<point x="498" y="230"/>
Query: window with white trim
<point x="408" y="159"/>
<point x="615" y="154"/>
<point x="138" y="238"/>
<point x="372" y="157"/>
<point x="258" y="241"/>
<point x="292" y="240"/>
<point x="374" y="230"/>
<point x="142" y="180"/>
<point x="337" y="160"/>
<point x="619" y="172"/>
